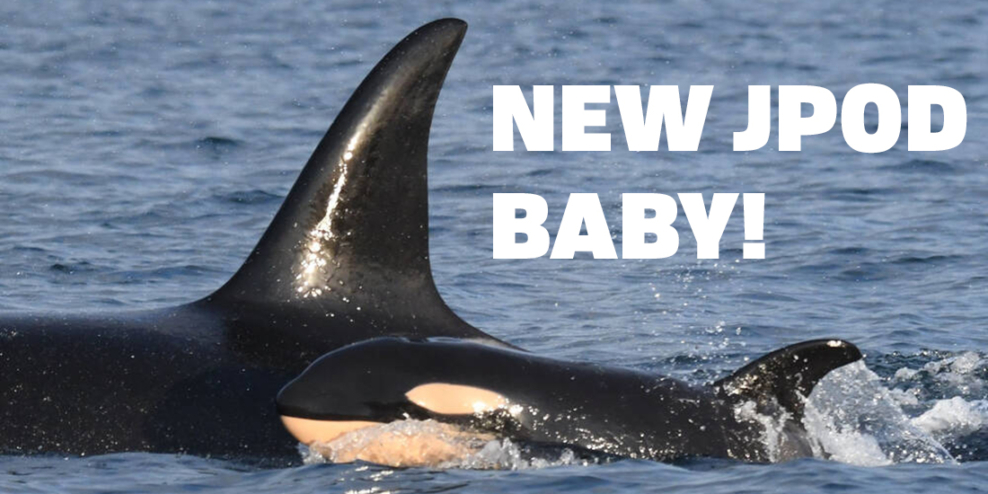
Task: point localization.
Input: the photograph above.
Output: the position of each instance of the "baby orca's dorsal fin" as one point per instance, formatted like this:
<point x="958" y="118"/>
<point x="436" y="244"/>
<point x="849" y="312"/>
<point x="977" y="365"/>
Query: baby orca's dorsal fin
<point x="788" y="374"/>
<point x="353" y="233"/>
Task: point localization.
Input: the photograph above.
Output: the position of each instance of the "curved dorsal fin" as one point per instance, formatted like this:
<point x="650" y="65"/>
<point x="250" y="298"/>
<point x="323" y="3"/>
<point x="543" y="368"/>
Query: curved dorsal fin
<point x="354" y="230"/>
<point x="788" y="374"/>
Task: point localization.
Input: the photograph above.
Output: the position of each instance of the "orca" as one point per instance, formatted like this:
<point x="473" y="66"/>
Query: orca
<point x="345" y="259"/>
<point x="517" y="395"/>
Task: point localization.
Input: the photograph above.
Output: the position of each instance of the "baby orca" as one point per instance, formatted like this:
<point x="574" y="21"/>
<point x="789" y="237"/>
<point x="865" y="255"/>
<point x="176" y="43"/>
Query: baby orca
<point x="517" y="395"/>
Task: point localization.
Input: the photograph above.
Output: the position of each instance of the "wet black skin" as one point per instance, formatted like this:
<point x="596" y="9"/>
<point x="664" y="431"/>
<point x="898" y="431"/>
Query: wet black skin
<point x="201" y="378"/>
<point x="345" y="260"/>
<point x="610" y="410"/>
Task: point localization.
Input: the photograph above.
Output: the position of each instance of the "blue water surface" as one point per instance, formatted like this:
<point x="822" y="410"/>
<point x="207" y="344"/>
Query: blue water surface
<point x="144" y="147"/>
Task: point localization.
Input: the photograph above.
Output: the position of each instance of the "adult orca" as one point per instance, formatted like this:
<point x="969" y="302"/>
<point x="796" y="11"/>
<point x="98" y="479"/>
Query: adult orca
<point x="345" y="259"/>
<point x="514" y="394"/>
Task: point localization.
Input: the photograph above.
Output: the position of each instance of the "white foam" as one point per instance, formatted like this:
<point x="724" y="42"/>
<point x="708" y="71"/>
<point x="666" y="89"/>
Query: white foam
<point x="505" y="455"/>
<point x="959" y="372"/>
<point x="905" y="374"/>
<point x="477" y="452"/>
<point x="954" y="417"/>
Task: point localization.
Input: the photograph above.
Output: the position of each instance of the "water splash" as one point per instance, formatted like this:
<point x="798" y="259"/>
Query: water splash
<point x="773" y="435"/>
<point x="436" y="445"/>
<point x="961" y="374"/>
<point x="949" y="398"/>
<point x="953" y="418"/>
<point x="854" y="419"/>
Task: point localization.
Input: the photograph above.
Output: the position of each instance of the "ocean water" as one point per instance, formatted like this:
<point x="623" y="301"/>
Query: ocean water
<point x="145" y="146"/>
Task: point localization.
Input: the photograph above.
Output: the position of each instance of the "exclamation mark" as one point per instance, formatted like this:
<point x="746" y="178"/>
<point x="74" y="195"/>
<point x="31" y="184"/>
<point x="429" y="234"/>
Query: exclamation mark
<point x="754" y="226"/>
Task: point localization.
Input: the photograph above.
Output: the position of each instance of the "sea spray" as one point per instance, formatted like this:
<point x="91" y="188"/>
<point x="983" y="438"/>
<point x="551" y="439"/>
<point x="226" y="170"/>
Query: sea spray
<point x="854" y="419"/>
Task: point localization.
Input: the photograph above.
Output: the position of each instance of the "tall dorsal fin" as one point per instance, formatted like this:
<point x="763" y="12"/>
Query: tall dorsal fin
<point x="354" y="230"/>
<point x="788" y="374"/>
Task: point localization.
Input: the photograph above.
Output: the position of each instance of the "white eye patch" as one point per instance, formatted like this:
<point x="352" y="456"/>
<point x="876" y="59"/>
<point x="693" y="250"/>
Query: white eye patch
<point x="455" y="399"/>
